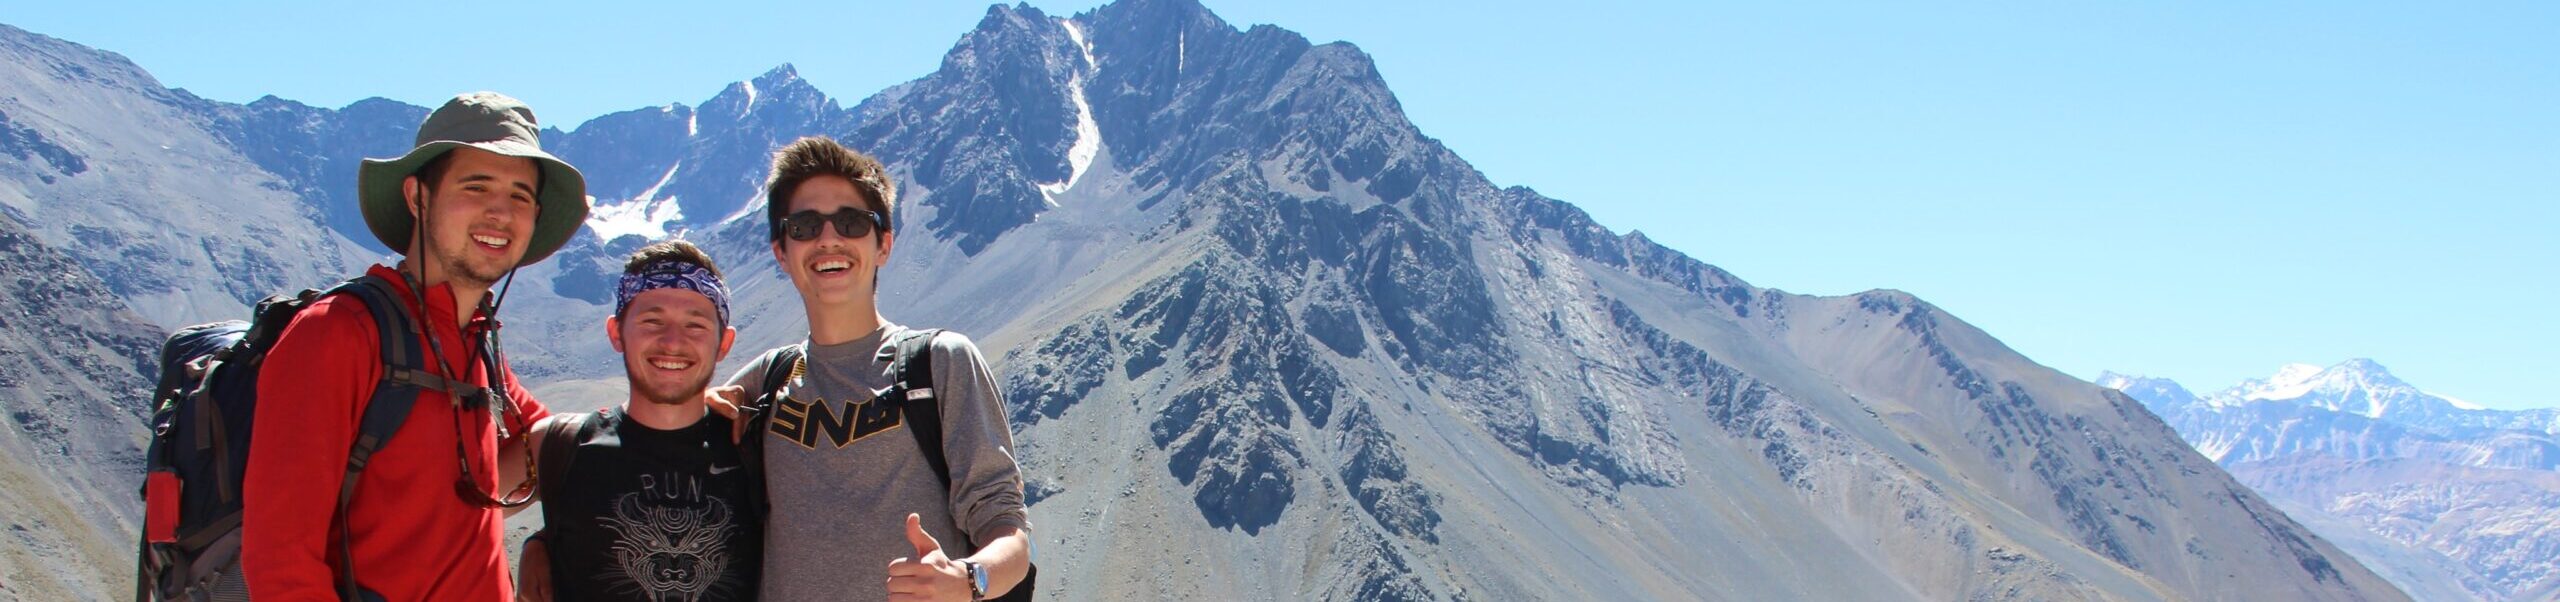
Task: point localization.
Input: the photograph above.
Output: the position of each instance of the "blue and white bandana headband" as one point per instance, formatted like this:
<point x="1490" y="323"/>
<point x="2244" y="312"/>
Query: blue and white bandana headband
<point x="672" y="274"/>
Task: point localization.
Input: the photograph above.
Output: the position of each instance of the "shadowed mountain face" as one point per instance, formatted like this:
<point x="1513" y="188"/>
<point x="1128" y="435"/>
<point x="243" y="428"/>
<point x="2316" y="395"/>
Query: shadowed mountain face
<point x="2450" y="500"/>
<point x="1262" y="338"/>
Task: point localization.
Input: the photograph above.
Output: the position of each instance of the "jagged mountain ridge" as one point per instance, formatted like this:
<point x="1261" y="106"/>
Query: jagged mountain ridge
<point x="2454" y="500"/>
<point x="1246" y="311"/>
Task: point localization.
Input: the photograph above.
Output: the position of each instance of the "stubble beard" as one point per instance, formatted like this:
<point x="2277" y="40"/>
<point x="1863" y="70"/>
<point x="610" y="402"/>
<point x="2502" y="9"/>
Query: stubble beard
<point x="463" y="270"/>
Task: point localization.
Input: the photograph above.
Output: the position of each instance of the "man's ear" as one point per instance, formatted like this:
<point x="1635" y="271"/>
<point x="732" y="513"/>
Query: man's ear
<point x="728" y="336"/>
<point x="414" y="193"/>
<point x="613" y="332"/>
<point x="887" y="239"/>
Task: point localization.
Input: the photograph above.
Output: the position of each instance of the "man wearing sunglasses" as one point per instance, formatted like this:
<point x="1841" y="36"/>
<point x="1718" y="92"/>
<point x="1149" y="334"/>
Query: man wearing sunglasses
<point x="859" y="509"/>
<point x="418" y="518"/>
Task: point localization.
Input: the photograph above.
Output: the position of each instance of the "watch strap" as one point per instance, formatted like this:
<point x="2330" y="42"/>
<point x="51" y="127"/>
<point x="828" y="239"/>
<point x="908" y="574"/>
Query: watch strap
<point x="977" y="580"/>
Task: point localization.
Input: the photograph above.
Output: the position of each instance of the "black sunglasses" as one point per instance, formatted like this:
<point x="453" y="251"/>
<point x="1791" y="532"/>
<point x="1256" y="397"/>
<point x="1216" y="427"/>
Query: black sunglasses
<point x="850" y="223"/>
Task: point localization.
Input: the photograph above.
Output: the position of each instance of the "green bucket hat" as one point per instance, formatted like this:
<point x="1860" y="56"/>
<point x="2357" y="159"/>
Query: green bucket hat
<point x="487" y="121"/>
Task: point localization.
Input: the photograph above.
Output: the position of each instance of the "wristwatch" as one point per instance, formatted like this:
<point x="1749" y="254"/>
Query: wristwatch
<point x="977" y="580"/>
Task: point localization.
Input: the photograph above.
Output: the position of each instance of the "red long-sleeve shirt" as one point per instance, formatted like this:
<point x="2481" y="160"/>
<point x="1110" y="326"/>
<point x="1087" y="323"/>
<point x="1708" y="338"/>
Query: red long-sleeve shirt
<point x="413" y="536"/>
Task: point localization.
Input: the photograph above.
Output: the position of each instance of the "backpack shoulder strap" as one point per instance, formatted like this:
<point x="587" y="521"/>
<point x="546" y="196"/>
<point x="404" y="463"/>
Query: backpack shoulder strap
<point x="402" y="362"/>
<point x="778" y="372"/>
<point x="388" y="407"/>
<point x="914" y="394"/>
<point x="560" y="441"/>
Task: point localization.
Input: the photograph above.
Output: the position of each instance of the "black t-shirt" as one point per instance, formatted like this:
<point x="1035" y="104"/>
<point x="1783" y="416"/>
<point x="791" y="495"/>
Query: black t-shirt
<point x="645" y="514"/>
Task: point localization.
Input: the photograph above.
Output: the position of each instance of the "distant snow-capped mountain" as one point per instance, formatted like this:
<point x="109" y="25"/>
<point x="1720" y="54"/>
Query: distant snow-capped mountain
<point x="2448" y="499"/>
<point x="2357" y="386"/>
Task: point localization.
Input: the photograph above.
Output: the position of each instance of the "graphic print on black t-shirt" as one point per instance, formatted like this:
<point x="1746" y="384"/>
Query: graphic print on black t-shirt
<point x="655" y="515"/>
<point x="671" y="552"/>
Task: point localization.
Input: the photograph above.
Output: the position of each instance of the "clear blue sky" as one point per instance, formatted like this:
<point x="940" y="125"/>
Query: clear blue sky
<point x="2202" y="191"/>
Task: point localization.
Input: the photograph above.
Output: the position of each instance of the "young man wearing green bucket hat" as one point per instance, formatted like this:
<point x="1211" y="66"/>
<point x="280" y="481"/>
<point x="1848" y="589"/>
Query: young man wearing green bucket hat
<point x="474" y="200"/>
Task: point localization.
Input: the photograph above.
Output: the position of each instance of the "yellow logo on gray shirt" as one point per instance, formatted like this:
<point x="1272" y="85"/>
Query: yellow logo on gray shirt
<point x="802" y="422"/>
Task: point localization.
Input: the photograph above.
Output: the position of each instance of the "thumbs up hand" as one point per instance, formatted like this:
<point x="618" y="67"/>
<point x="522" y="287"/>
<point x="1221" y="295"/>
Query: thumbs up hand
<point x="928" y="576"/>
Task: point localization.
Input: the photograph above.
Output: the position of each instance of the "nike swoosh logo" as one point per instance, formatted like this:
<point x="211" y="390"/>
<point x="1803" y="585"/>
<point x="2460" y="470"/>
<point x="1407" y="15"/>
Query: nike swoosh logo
<point x="718" y="469"/>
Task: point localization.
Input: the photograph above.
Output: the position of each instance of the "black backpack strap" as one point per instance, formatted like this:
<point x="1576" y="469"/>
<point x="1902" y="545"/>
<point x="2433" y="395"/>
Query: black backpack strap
<point x="404" y="374"/>
<point x="780" y="365"/>
<point x="560" y="448"/>
<point x="389" y="406"/>
<point x="777" y="373"/>
<point x="142" y="572"/>
<point x="912" y="362"/>
<point x="759" y="411"/>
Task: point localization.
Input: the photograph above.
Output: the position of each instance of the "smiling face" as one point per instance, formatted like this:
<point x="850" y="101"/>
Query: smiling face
<point x="831" y="270"/>
<point x="670" y="339"/>
<point x="478" y="215"/>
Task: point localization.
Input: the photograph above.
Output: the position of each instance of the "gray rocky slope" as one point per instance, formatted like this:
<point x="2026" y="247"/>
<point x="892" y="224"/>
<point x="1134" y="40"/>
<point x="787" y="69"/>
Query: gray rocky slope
<point x="1262" y="338"/>
<point x="75" y="372"/>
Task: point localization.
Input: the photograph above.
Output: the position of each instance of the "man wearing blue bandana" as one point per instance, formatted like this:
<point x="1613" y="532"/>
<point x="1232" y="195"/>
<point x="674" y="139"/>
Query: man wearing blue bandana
<point x="651" y="500"/>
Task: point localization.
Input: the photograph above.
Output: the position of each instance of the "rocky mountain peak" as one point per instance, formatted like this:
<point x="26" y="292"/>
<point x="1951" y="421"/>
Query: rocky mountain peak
<point x="2366" y="369"/>
<point x="778" y="94"/>
<point x="1004" y="29"/>
<point x="1160" y="20"/>
<point x="776" y="77"/>
<point x="2160" y="393"/>
<point x="2295" y="373"/>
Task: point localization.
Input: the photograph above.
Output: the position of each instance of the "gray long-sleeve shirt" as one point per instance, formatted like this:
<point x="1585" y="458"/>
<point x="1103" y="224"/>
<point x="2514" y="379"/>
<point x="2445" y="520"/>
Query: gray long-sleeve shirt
<point x="843" y="472"/>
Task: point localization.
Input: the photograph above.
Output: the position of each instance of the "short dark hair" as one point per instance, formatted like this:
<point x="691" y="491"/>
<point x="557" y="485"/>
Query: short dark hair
<point x="432" y="173"/>
<point x="672" y="250"/>
<point x="815" y="156"/>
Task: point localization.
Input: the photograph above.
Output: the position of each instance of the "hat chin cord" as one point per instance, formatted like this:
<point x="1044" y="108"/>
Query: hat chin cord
<point x="496" y="401"/>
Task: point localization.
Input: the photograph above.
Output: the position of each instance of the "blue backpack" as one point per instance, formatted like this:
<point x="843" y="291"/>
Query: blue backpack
<point x="204" y="406"/>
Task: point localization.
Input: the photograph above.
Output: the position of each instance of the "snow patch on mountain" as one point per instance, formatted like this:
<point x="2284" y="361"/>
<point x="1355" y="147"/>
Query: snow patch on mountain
<point x="1076" y="32"/>
<point x="2457" y="402"/>
<point x="1088" y="135"/>
<point x="2291" y="382"/>
<point x="645" y="214"/>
